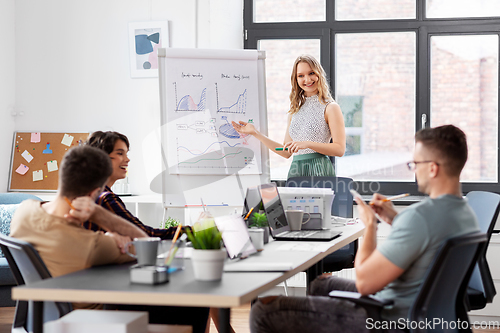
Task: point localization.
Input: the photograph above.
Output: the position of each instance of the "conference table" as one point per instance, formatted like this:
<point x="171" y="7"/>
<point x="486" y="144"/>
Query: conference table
<point x="111" y="284"/>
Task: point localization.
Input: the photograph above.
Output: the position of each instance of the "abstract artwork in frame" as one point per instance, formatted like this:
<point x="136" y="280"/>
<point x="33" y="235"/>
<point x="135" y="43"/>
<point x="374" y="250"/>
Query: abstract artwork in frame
<point x="145" y="39"/>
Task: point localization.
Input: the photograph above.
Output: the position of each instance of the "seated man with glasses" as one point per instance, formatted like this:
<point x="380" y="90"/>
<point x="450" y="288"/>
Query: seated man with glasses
<point x="396" y="268"/>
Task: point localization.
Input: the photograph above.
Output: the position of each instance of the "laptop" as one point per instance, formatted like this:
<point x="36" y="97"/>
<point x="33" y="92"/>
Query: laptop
<point x="278" y="225"/>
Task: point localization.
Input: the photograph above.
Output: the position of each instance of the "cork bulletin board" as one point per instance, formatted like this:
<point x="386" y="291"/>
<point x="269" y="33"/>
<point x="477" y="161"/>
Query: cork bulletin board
<point x="36" y="157"/>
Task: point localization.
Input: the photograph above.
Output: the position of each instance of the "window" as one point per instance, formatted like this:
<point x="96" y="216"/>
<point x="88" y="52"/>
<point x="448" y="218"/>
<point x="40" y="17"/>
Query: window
<point x="394" y="67"/>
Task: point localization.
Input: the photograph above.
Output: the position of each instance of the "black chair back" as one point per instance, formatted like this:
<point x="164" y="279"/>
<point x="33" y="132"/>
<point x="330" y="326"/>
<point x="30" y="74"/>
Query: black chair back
<point x="445" y="283"/>
<point x="486" y="206"/>
<point x="27" y="267"/>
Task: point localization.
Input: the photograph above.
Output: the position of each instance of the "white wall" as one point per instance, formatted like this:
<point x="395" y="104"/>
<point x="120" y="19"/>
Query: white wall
<point x="7" y="86"/>
<point x="72" y="65"/>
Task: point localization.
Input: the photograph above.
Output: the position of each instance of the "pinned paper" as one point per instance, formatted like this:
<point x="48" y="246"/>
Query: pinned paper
<point x="67" y="140"/>
<point x="22" y="169"/>
<point x="27" y="156"/>
<point x="37" y="175"/>
<point x="35" y="137"/>
<point x="52" y="166"/>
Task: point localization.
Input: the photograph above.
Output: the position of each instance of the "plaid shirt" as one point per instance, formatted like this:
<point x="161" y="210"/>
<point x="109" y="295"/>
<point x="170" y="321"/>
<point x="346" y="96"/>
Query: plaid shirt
<point x="113" y="203"/>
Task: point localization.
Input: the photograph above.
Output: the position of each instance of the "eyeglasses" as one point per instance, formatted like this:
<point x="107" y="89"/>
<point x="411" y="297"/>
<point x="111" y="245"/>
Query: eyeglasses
<point x="413" y="164"/>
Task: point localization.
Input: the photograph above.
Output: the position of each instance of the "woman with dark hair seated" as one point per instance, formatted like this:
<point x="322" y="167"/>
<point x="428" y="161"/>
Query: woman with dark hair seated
<point x="116" y="145"/>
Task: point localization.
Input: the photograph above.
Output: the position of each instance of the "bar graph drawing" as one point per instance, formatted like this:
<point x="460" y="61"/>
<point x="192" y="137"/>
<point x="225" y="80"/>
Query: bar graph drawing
<point x="187" y="103"/>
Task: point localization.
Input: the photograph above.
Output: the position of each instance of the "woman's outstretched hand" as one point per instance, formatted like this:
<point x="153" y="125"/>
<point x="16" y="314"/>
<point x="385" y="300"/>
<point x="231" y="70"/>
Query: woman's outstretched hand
<point x="243" y="127"/>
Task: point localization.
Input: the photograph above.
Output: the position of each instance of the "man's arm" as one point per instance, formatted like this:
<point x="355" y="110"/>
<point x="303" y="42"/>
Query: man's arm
<point x="86" y="208"/>
<point x="373" y="270"/>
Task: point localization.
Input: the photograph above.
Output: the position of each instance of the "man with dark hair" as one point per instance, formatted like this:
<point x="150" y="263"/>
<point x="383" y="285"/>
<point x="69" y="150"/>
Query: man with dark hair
<point x="396" y="268"/>
<point x="54" y="229"/>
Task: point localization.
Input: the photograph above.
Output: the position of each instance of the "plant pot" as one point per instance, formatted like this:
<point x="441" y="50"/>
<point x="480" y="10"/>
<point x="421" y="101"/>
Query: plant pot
<point x="208" y="265"/>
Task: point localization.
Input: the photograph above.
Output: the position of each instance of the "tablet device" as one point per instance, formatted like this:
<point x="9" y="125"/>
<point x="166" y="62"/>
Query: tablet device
<point x="235" y="236"/>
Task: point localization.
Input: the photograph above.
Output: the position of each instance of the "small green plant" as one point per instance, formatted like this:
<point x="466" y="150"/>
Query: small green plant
<point x="205" y="236"/>
<point x="258" y="220"/>
<point x="169" y="222"/>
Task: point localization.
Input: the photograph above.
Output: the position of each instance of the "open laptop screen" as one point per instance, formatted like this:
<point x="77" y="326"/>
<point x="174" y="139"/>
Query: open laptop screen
<point x="273" y="208"/>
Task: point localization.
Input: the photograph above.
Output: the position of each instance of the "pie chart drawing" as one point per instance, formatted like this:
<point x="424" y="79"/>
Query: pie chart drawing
<point x="228" y="131"/>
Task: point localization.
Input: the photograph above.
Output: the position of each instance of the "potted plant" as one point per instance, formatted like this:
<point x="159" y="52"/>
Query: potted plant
<point x="169" y="222"/>
<point x="208" y="254"/>
<point x="259" y="220"/>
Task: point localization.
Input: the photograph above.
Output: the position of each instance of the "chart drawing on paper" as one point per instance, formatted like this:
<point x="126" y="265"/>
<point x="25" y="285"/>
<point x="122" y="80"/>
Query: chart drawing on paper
<point x="204" y="97"/>
<point x="228" y="130"/>
<point x="221" y="155"/>
<point x="240" y="106"/>
<point x="187" y="103"/>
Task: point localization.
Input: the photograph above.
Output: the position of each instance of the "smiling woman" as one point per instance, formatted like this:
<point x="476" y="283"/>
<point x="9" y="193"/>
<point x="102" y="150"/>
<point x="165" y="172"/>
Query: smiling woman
<point x="315" y="127"/>
<point x="116" y="145"/>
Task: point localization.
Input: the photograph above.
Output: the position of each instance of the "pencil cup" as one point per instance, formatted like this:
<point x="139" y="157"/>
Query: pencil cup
<point x="295" y="219"/>
<point x="177" y="254"/>
<point x="146" y="250"/>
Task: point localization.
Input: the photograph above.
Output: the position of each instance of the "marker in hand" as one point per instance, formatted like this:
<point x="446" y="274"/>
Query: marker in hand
<point x="280" y="149"/>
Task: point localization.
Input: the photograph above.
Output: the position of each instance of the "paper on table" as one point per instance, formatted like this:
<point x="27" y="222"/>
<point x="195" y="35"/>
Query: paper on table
<point x="27" y="156"/>
<point x="37" y="175"/>
<point x="244" y="266"/>
<point x="67" y="140"/>
<point x="305" y="246"/>
<point x="52" y="166"/>
<point x="22" y="169"/>
<point x="35" y="137"/>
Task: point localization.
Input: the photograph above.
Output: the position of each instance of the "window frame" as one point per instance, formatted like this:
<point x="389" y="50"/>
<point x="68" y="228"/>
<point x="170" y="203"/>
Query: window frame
<point x="424" y="29"/>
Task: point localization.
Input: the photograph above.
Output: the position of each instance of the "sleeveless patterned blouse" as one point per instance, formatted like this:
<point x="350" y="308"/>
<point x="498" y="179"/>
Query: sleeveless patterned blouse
<point x="309" y="124"/>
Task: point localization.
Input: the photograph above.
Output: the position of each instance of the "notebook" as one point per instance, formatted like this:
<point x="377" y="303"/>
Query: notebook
<point x="278" y="225"/>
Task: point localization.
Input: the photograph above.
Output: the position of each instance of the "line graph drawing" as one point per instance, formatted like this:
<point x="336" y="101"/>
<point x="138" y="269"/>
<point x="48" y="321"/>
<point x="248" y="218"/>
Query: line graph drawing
<point x="240" y="106"/>
<point x="195" y="151"/>
<point x="187" y="103"/>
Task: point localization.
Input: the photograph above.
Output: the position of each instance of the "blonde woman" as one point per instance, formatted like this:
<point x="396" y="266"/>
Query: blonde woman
<point x="313" y="119"/>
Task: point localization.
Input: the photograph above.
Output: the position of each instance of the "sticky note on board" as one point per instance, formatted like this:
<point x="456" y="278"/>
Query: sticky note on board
<point x="52" y="166"/>
<point x="27" y="156"/>
<point x="37" y="175"/>
<point x="67" y="140"/>
<point x="22" y="169"/>
<point x="35" y="137"/>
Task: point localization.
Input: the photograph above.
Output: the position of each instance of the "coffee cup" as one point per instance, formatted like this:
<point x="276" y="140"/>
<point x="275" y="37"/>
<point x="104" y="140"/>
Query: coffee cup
<point x="146" y="250"/>
<point x="295" y="217"/>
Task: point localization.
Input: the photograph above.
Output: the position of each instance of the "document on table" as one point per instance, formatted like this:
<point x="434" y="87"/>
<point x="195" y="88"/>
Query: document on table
<point x="244" y="266"/>
<point x="304" y="246"/>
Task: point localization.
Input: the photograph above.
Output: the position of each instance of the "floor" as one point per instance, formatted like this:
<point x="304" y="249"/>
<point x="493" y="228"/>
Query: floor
<point x="239" y="321"/>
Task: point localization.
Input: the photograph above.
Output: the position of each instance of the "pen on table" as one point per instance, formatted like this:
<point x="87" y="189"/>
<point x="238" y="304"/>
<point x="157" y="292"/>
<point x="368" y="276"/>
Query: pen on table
<point x="394" y="197"/>
<point x="249" y="212"/>
<point x="69" y="203"/>
<point x="280" y="149"/>
<point x="173" y="241"/>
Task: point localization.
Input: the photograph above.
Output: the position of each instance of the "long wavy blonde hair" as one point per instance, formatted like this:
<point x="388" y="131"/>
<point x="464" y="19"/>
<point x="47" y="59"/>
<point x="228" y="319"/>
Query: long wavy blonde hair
<point x="297" y="97"/>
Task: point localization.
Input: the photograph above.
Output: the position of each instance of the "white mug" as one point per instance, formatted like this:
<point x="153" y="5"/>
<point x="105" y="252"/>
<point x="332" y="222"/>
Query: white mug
<point x="295" y="217"/>
<point x="146" y="249"/>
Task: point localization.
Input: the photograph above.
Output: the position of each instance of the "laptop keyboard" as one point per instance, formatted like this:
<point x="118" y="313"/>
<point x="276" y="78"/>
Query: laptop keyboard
<point x="301" y="233"/>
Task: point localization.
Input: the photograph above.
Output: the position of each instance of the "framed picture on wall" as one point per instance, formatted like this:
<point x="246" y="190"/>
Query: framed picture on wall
<point x="145" y="39"/>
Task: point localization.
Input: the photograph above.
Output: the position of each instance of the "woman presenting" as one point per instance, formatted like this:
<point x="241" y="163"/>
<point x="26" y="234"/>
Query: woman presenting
<point x="314" y="118"/>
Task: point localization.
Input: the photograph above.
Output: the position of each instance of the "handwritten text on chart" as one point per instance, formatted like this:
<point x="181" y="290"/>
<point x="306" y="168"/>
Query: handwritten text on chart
<point x="238" y="77"/>
<point x="194" y="76"/>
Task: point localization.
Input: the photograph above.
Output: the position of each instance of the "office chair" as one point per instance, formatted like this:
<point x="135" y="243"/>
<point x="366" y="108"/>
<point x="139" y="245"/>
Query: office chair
<point x="342" y="206"/>
<point x="481" y="290"/>
<point x="8" y="204"/>
<point x="443" y="289"/>
<point x="27" y="267"/>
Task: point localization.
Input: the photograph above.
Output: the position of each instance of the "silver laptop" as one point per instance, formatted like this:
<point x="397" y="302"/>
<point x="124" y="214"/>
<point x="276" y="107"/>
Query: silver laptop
<point x="278" y="225"/>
